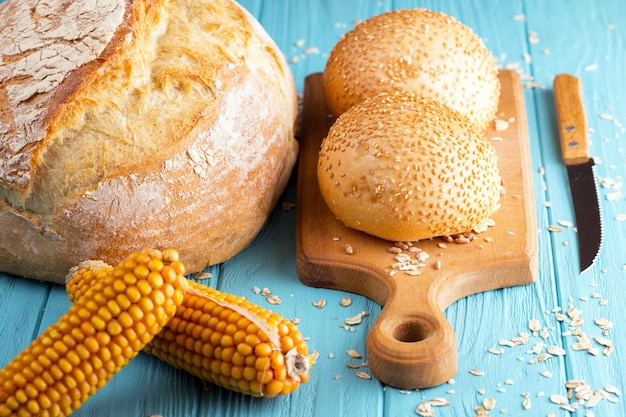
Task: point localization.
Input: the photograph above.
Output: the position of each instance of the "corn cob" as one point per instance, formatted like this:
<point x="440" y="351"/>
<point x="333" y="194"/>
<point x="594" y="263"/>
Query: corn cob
<point x="107" y="326"/>
<point x="233" y="343"/>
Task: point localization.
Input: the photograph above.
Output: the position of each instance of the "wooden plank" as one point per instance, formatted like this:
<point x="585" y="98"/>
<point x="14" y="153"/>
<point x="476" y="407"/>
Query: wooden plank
<point x="411" y="345"/>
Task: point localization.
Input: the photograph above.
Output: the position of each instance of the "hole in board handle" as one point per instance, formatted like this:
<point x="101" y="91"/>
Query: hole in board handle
<point x="411" y="330"/>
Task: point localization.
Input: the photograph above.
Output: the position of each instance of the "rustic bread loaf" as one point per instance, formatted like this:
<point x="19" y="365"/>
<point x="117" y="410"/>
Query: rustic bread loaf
<point x="127" y="124"/>
<point x="404" y="168"/>
<point x="417" y="50"/>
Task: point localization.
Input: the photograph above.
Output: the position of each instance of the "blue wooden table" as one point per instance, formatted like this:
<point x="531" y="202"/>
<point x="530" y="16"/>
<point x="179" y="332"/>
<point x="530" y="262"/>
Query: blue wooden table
<point x="523" y="348"/>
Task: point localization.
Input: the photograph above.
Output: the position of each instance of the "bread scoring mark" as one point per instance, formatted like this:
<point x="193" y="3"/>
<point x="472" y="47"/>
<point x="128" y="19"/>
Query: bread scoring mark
<point x="40" y="47"/>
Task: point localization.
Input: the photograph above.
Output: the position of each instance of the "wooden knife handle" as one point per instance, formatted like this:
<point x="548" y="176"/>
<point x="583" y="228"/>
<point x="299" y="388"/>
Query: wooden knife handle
<point x="572" y="123"/>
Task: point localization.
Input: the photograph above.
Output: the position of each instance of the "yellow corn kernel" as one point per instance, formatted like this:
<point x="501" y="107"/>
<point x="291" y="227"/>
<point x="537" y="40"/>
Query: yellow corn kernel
<point x="76" y="356"/>
<point x="232" y="342"/>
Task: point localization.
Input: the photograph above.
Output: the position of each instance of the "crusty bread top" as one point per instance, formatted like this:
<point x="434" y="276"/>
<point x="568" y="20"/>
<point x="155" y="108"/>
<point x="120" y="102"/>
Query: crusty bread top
<point x="110" y="102"/>
<point x="42" y="50"/>
<point x="179" y="133"/>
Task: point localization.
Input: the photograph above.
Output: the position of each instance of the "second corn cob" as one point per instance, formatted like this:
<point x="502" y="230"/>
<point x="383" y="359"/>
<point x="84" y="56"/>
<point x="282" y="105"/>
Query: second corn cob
<point x="231" y="342"/>
<point x="112" y="320"/>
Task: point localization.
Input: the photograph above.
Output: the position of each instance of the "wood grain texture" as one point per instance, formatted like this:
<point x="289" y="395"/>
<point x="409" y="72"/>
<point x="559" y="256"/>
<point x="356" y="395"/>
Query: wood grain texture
<point x="571" y="119"/>
<point x="411" y="345"/>
<point x="539" y="39"/>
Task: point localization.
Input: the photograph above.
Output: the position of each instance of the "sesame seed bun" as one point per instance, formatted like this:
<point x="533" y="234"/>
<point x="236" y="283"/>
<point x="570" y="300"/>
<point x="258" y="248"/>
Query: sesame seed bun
<point x="406" y="168"/>
<point x="415" y="50"/>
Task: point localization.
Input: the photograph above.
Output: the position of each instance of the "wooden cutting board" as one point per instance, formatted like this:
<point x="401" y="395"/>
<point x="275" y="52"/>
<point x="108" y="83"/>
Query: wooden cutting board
<point x="411" y="344"/>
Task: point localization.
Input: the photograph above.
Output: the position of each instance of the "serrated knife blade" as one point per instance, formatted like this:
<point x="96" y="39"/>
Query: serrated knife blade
<point x="572" y="127"/>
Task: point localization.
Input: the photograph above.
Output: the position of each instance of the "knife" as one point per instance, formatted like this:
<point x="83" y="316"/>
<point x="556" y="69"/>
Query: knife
<point x="572" y="126"/>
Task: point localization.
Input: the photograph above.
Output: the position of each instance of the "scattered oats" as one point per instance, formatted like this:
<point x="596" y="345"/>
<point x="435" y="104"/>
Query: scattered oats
<point x="593" y="401"/>
<point x="509" y="343"/>
<point x="544" y="334"/>
<point x="558" y="399"/>
<point x="591" y="67"/>
<point x="265" y="291"/>
<point x="489" y="403"/>
<point x="520" y="16"/>
<point x="620" y="217"/>
<point x="482" y="391"/>
<point x="331" y="355"/>
<point x="603" y="323"/>
<point x="614" y="195"/>
<point x="556" y="351"/>
<point x="300" y="43"/>
<point x="605" y="116"/>
<point x="345" y="302"/>
<point x="554" y="228"/>
<point x="565" y="223"/>
<point x="353" y="366"/>
<point x="570" y="407"/>
<point x="500" y="125"/>
<point x="273" y="299"/>
<point x="613" y="390"/>
<point x="495" y="351"/>
<point x="393" y="272"/>
<point x="394" y="249"/>
<point x="533" y="37"/>
<point x="438" y="264"/>
<point x="534" y="325"/>
<point x="526" y="404"/>
<point x="603" y="341"/>
<point x="353" y="354"/>
<point x="202" y="275"/>
<point x="451" y="381"/>
<point x="547" y="204"/>
<point x="509" y="382"/>
<point x="312" y="50"/>
<point x="337" y="238"/>
<point x="320" y="304"/>
<point x="256" y="290"/>
<point x="363" y="375"/>
<point x="442" y="245"/>
<point x="295" y="320"/>
<point x="527" y="58"/>
<point x="546" y="373"/>
<point x="477" y="372"/>
<point x="348" y="248"/>
<point x="422" y="256"/>
<point x="295" y="59"/>
<point x="439" y="402"/>
<point x="354" y="320"/>
<point x="337" y="377"/>
<point x="425" y="409"/>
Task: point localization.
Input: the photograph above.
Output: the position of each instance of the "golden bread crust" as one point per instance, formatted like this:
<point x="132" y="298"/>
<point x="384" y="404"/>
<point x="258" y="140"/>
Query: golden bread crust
<point x="414" y="50"/>
<point x="177" y="133"/>
<point x="406" y="168"/>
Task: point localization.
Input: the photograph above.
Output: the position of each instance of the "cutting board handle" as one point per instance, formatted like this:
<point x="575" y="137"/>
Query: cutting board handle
<point x="413" y="347"/>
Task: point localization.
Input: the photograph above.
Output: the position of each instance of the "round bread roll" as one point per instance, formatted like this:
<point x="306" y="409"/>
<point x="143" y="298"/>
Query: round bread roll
<point x="415" y="50"/>
<point x="406" y="168"/>
<point x="127" y="124"/>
